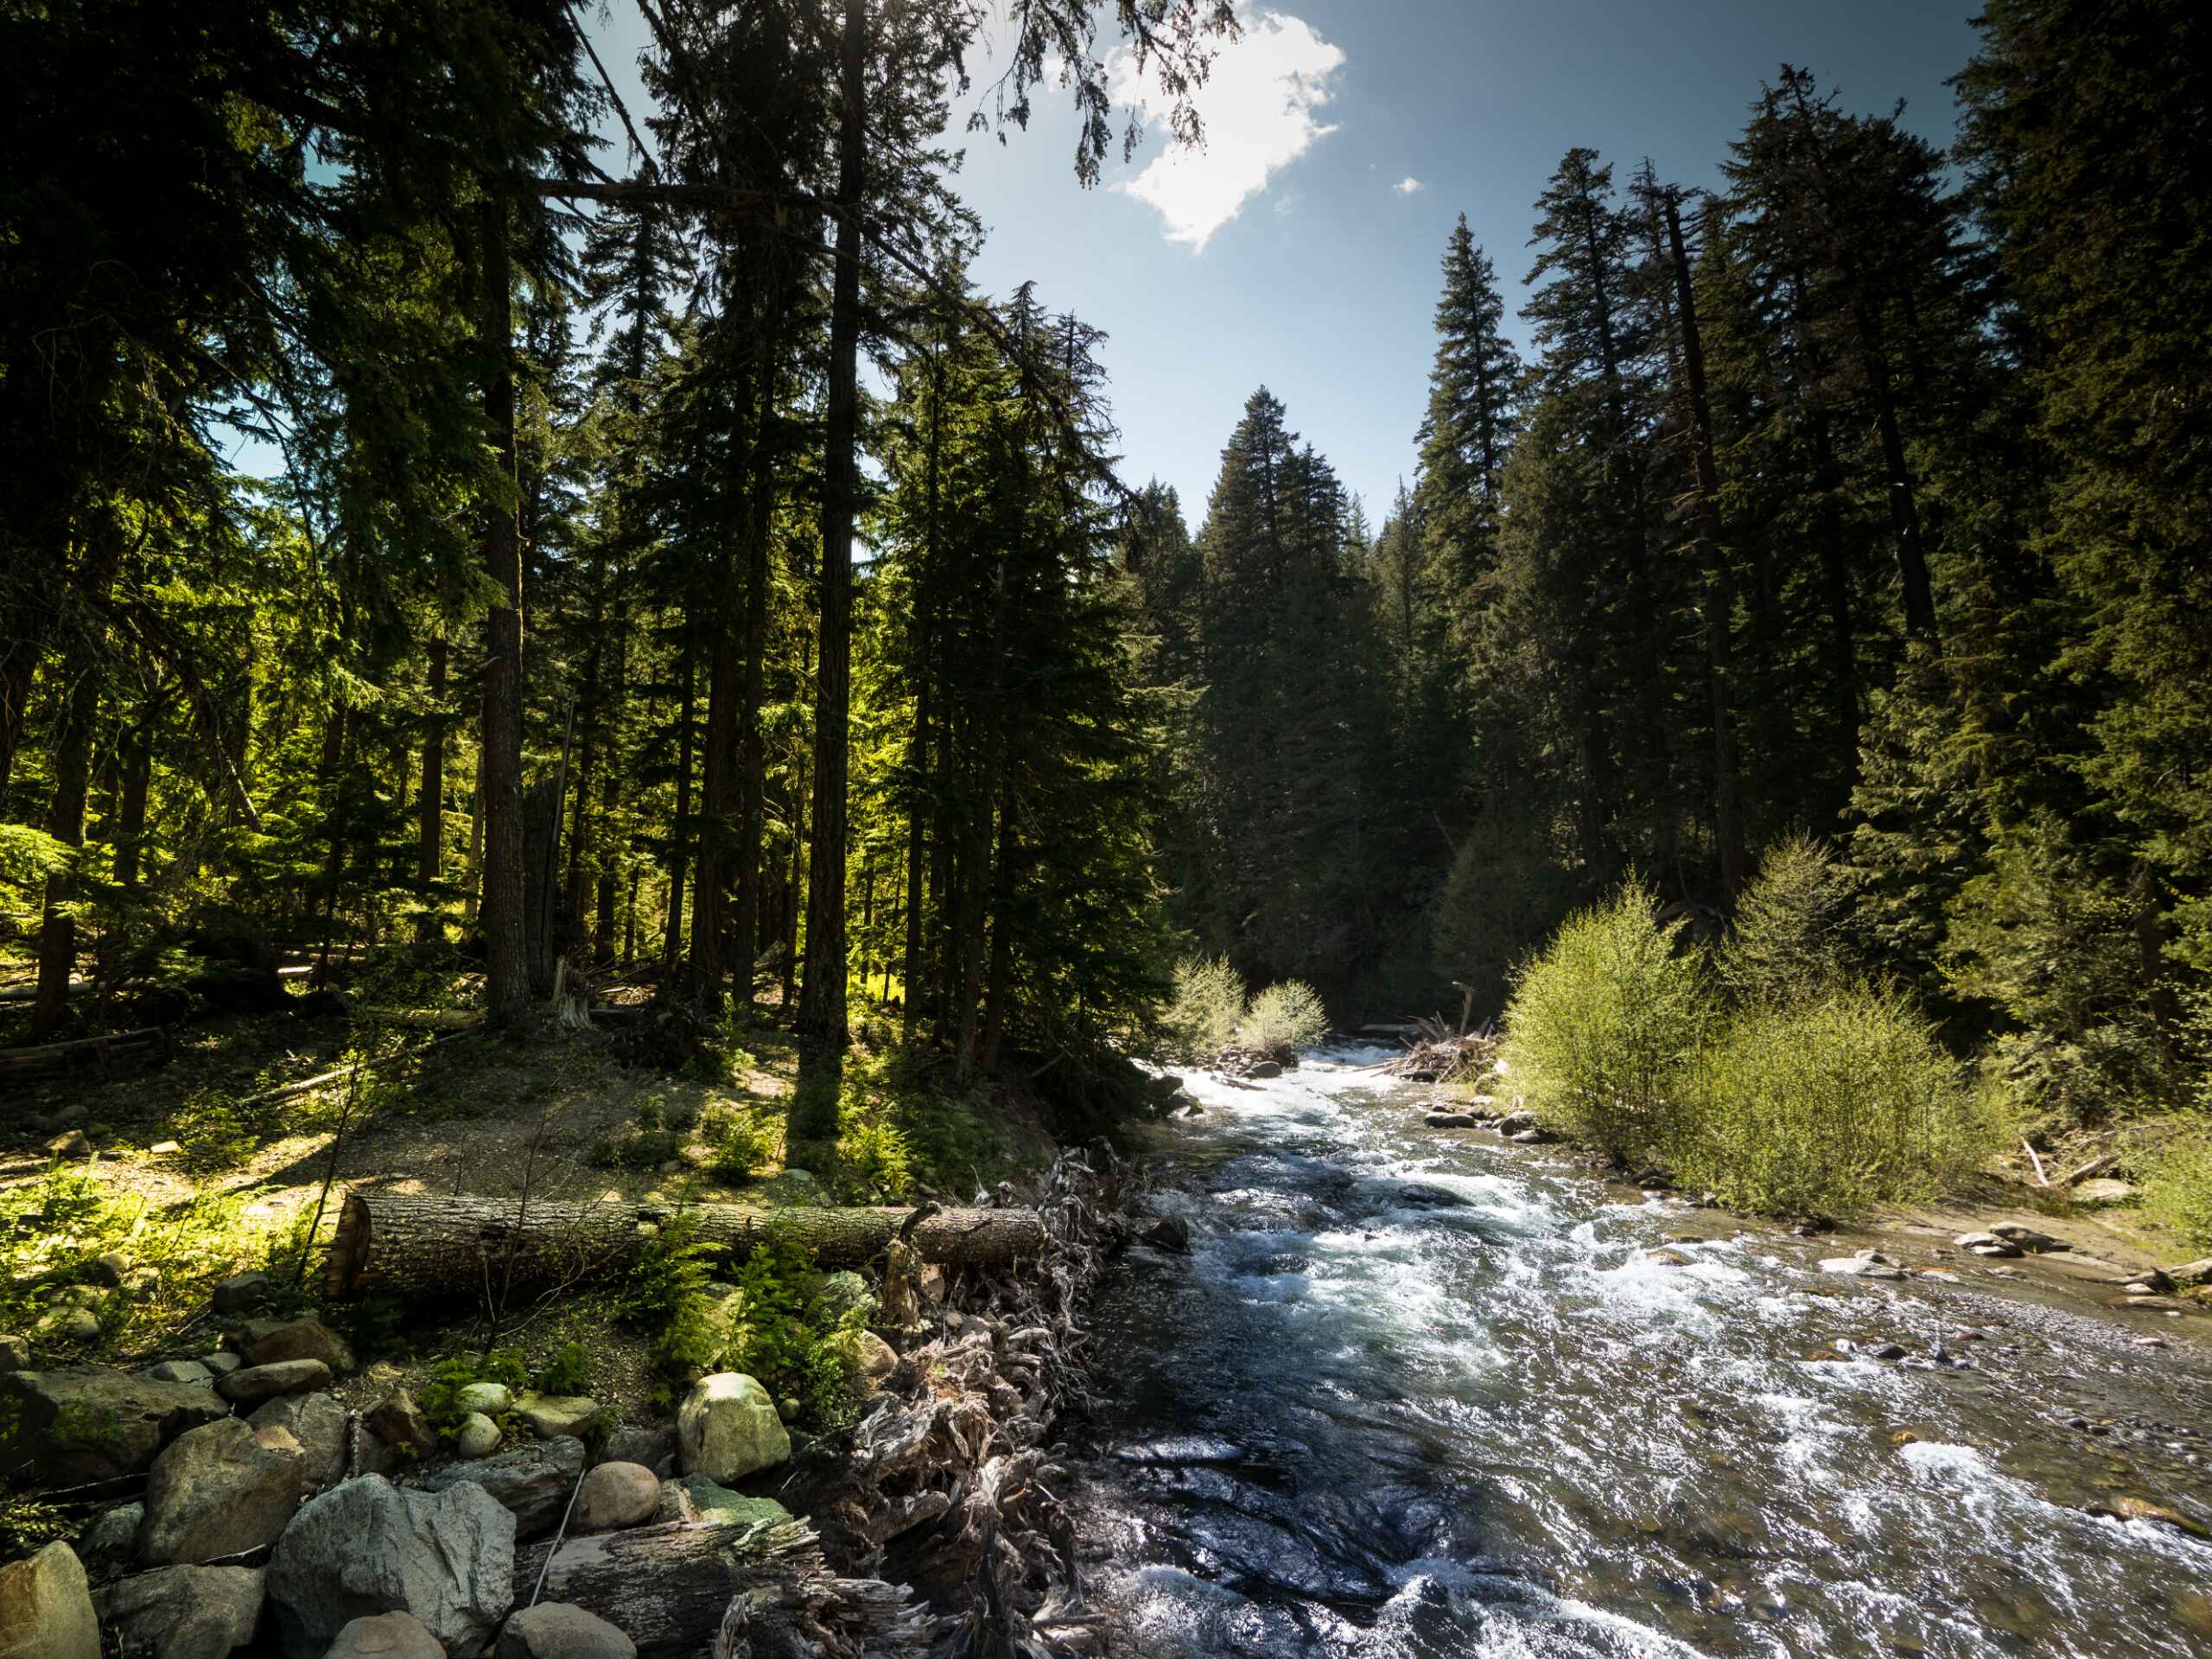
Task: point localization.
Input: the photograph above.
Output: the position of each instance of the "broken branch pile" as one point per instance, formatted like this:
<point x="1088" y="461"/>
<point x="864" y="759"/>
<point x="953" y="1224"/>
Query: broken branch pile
<point x="1436" y="1054"/>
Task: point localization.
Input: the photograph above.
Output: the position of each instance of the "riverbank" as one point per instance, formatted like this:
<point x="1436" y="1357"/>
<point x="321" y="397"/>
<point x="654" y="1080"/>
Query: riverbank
<point x="1419" y="1391"/>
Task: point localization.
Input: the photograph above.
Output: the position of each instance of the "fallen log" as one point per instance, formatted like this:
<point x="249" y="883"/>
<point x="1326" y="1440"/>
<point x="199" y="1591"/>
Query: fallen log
<point x="669" y="1588"/>
<point x="98" y="1051"/>
<point x="391" y="1244"/>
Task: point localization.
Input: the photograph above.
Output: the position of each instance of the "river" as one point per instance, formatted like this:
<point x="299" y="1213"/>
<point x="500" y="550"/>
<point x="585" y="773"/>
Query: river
<point x="1418" y="1393"/>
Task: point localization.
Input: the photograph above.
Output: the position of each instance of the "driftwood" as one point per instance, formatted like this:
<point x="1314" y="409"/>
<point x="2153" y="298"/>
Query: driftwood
<point x="2095" y="1166"/>
<point x="764" y="1590"/>
<point x="394" y="1244"/>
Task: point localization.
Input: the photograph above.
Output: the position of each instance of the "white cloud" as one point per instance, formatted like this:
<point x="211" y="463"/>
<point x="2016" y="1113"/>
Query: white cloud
<point x="1408" y="185"/>
<point x="1259" y="106"/>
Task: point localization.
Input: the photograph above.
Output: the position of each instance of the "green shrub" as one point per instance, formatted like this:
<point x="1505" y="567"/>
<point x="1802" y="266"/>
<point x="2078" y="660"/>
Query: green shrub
<point x="441" y="1399"/>
<point x="1603" y="1025"/>
<point x="1826" y="1107"/>
<point x="2178" y="1186"/>
<point x="740" y="1143"/>
<point x="1206" y="1009"/>
<point x="665" y="1295"/>
<point x="568" y="1373"/>
<point x="1282" y="1018"/>
<point x="878" y="1154"/>
<point x="817" y="1364"/>
<point x="1790" y="936"/>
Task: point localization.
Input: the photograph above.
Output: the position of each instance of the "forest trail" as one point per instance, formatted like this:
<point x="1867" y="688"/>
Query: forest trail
<point x="1418" y="1392"/>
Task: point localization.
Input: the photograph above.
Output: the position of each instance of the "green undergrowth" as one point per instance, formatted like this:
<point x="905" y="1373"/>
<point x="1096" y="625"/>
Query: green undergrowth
<point x="2177" y="1191"/>
<point x="1209" y="1010"/>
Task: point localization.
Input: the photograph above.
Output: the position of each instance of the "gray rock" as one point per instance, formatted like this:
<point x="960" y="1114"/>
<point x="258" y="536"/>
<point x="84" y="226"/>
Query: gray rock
<point x="46" y="1608"/>
<point x="1169" y="1233"/>
<point x="317" y="1421"/>
<point x="178" y="1370"/>
<point x="109" y="1268"/>
<point x="142" y="1284"/>
<point x="1867" y="1264"/>
<point x="83" y="1423"/>
<point x="878" y="1357"/>
<point x="531" y="1482"/>
<point x="218" y="1489"/>
<point x="1264" y="1069"/>
<point x="477" y="1437"/>
<point x="627" y="1443"/>
<point x="1529" y="1138"/>
<point x="1450" y="1119"/>
<point x="1514" y="1122"/>
<point x="302" y="1339"/>
<point x="549" y="1415"/>
<point x="490" y="1398"/>
<point x="70" y="1324"/>
<point x="222" y="1364"/>
<point x="14" y="1354"/>
<point x="70" y="1144"/>
<point x="728" y="1428"/>
<point x="615" y="1495"/>
<point x="183" y="1612"/>
<point x="555" y="1629"/>
<point x="366" y="1548"/>
<point x="386" y="1635"/>
<point x="111" y="1542"/>
<point x="241" y="1292"/>
<point x="695" y="1499"/>
<point x="2026" y="1237"/>
<point x="254" y="1383"/>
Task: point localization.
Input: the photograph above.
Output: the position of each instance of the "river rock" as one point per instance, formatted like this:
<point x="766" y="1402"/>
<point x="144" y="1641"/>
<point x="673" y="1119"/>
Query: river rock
<point x="699" y="1501"/>
<point x="490" y="1398"/>
<point x="2191" y="1273"/>
<point x="365" y="1548"/>
<point x="532" y="1482"/>
<point x="241" y="1292"/>
<point x="302" y="1339"/>
<point x="398" y="1421"/>
<point x="386" y="1635"/>
<point x="1529" y="1137"/>
<point x="1450" y="1119"/>
<point x="728" y="1428"/>
<point x="83" y="1423"/>
<point x="109" y="1268"/>
<point x="1867" y="1264"/>
<point x="615" y="1495"/>
<point x="178" y="1370"/>
<point x="46" y="1608"/>
<point x="2141" y="1508"/>
<point x="550" y="1415"/>
<point x="183" y="1612"/>
<point x="110" y="1543"/>
<point x="219" y="1490"/>
<point x="221" y="1363"/>
<point x="14" y="1354"/>
<point x="1169" y="1233"/>
<point x="477" y="1437"/>
<point x="77" y="1325"/>
<point x="1514" y="1122"/>
<point x="878" y="1357"/>
<point x="2103" y="1190"/>
<point x="555" y="1629"/>
<point x="2026" y="1238"/>
<point x="628" y="1443"/>
<point x="253" y="1384"/>
<point x="317" y="1422"/>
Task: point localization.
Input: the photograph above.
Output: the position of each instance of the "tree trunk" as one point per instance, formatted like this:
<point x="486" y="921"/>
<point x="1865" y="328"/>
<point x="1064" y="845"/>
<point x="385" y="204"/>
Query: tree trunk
<point x="669" y="1587"/>
<point x="821" y="1002"/>
<point x="671" y="944"/>
<point x="718" y="802"/>
<point x="430" y="856"/>
<point x="72" y="751"/>
<point x="753" y="808"/>
<point x="391" y="1244"/>
<point x="137" y="781"/>
<point x="506" y="960"/>
<point x="610" y="788"/>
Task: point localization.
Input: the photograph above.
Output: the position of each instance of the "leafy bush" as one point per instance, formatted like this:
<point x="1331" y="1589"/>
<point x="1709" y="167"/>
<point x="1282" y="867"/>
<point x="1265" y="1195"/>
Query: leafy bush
<point x="1282" y="1018"/>
<point x="1603" y="1025"/>
<point x="665" y="1294"/>
<point x="1790" y="935"/>
<point x="2178" y="1187"/>
<point x="1206" y="1009"/>
<point x="878" y="1154"/>
<point x="440" y="1400"/>
<point x="1824" y="1107"/>
<point x="817" y="1364"/>
<point x="568" y="1373"/>
<point x="740" y="1143"/>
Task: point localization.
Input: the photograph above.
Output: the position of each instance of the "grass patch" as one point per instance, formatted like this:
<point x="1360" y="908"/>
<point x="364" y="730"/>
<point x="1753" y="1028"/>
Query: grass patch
<point x="2176" y="1190"/>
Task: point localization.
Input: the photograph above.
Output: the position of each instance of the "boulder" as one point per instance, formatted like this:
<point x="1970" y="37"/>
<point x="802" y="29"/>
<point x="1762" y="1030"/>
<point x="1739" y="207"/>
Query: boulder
<point x="531" y="1482"/>
<point x="253" y="1384"/>
<point x="490" y="1398"/>
<point x="14" y="1354"/>
<point x="728" y="1428"/>
<point x="221" y="1363"/>
<point x="183" y="1612"/>
<point x="878" y="1357"/>
<point x="76" y="1325"/>
<point x="219" y="1490"/>
<point x="554" y="1630"/>
<point x="317" y="1422"/>
<point x="1867" y="1264"/>
<point x="615" y="1495"/>
<point x="302" y="1339"/>
<point x="71" y="1143"/>
<point x="241" y="1292"/>
<point x="477" y="1437"/>
<point x="178" y="1370"/>
<point x="110" y="1541"/>
<point x="1450" y="1119"/>
<point x="84" y="1423"/>
<point x="398" y="1421"/>
<point x="365" y="1548"/>
<point x="699" y="1501"/>
<point x="550" y="1414"/>
<point x="386" y="1635"/>
<point x="111" y="1267"/>
<point x="2103" y="1190"/>
<point x="627" y="1443"/>
<point x="843" y="1295"/>
<point x="2027" y="1238"/>
<point x="46" y="1608"/>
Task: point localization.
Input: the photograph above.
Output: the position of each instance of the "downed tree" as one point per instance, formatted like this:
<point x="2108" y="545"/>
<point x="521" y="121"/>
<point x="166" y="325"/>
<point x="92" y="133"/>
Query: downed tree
<point x="679" y="1587"/>
<point x="396" y="1243"/>
<point x="123" y="1046"/>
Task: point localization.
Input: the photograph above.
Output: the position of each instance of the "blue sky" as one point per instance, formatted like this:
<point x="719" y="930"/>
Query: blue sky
<point x="1346" y="135"/>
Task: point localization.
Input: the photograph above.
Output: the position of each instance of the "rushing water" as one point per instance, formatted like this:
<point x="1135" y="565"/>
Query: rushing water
<point x="1423" y="1393"/>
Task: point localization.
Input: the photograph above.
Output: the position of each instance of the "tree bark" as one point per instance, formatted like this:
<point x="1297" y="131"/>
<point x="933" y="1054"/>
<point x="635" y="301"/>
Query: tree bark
<point x="130" y="813"/>
<point x="72" y="747"/>
<point x="506" y="961"/>
<point x="671" y="944"/>
<point x="821" y="998"/>
<point x="430" y="853"/>
<point x="668" y="1587"/>
<point x="398" y="1244"/>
